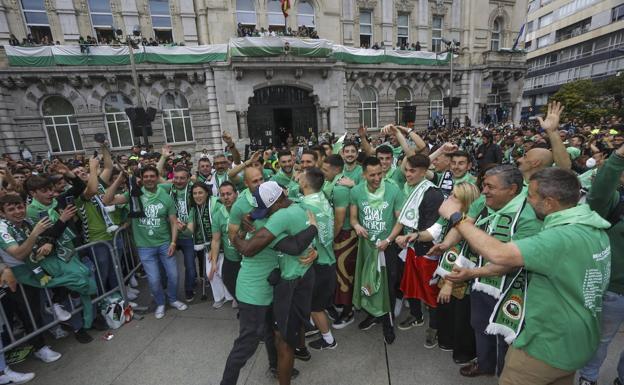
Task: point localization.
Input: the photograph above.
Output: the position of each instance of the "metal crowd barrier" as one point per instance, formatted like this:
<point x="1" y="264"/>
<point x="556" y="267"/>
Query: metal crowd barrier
<point x="123" y="268"/>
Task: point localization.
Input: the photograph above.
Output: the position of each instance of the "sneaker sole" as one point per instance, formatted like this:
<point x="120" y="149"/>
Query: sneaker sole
<point x="306" y="358"/>
<point x="343" y="325"/>
<point x="331" y="347"/>
<point x="309" y="334"/>
<point x="368" y="327"/>
<point x="430" y="346"/>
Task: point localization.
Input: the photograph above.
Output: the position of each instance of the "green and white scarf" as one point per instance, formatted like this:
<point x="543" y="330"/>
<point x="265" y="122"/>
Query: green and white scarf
<point x="376" y="199"/>
<point x="20" y="234"/>
<point x="173" y="193"/>
<point x="64" y="247"/>
<point x="328" y="187"/>
<point x="325" y="217"/>
<point x="203" y="223"/>
<point x="501" y="224"/>
<point x="409" y="215"/>
<point x="507" y="319"/>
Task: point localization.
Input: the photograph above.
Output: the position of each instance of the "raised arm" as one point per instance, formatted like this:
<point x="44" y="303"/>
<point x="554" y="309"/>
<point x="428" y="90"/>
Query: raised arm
<point x="551" y="126"/>
<point x="227" y="138"/>
<point x="165" y="153"/>
<point x="107" y="170"/>
<point x="110" y="196"/>
<point x="92" y="183"/>
<point x="366" y="147"/>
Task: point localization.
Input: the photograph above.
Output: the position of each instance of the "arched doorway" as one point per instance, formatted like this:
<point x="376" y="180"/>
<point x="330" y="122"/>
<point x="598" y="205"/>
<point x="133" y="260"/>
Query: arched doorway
<point x="278" y="112"/>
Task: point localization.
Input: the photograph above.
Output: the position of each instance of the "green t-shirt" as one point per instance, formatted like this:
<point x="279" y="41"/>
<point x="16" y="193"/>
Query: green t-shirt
<point x="284" y="181"/>
<point x="324" y="241"/>
<point x="468" y="177"/>
<point x="267" y="174"/>
<point x="243" y="206"/>
<point x="377" y="221"/>
<point x="89" y="212"/>
<point x="476" y="207"/>
<point x="396" y="175"/>
<point x="153" y="229"/>
<point x="569" y="270"/>
<point x="182" y="201"/>
<point x="219" y="224"/>
<point x="355" y="175"/>
<point x="341" y="199"/>
<point x="64" y="246"/>
<point x="288" y="221"/>
<point x="252" y="286"/>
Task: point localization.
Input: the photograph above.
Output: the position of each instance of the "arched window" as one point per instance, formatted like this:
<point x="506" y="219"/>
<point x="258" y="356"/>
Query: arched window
<point x="176" y="118"/>
<point x="403" y="99"/>
<point x="60" y="125"/>
<point x="117" y="122"/>
<point x="246" y="12"/>
<point x="496" y="35"/>
<point x="368" y="108"/>
<point x="305" y="14"/>
<point x="436" y="104"/>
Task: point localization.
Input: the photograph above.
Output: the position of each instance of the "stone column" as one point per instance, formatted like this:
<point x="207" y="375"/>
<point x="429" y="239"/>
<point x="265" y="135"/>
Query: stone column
<point x="348" y="34"/>
<point x="387" y="23"/>
<point x="243" y="130"/>
<point x="202" y="22"/>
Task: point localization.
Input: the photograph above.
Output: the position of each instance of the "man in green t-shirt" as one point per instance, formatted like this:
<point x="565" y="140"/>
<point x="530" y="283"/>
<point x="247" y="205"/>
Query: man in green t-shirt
<point x="155" y="235"/>
<point x="391" y="172"/>
<point x="345" y="240"/>
<point x="460" y="168"/>
<point x="568" y="265"/>
<point x="180" y="193"/>
<point x="351" y="170"/>
<point x="204" y="171"/>
<point x="375" y="207"/>
<point x="311" y="182"/>
<point x="285" y="175"/>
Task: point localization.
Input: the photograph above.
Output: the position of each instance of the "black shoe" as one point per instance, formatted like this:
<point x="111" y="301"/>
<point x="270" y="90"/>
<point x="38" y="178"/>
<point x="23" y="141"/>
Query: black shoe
<point x="410" y="322"/>
<point x="344" y="320"/>
<point x="189" y="296"/>
<point x="321" y="344"/>
<point x="332" y="313"/>
<point x="302" y="354"/>
<point x="82" y="336"/>
<point x="99" y="324"/>
<point x="310" y="330"/>
<point x="445" y="348"/>
<point x="389" y="336"/>
<point x="294" y="374"/>
<point x="617" y="381"/>
<point x="463" y="361"/>
<point x="368" y="323"/>
<point x="431" y="338"/>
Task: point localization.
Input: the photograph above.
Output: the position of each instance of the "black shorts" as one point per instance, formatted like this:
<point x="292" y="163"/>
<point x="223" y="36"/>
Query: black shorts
<point x="291" y="306"/>
<point x="324" y="286"/>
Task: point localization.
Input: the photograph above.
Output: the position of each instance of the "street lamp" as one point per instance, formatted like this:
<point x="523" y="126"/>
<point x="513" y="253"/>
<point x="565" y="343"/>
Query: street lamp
<point x="452" y="47"/>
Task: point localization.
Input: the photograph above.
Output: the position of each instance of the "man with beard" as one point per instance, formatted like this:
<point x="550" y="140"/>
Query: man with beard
<point x="569" y="263"/>
<point x="460" y="168"/>
<point x="351" y="170"/>
<point x="285" y="176"/>
<point x="204" y="171"/>
<point x="309" y="158"/>
<point x="375" y="207"/>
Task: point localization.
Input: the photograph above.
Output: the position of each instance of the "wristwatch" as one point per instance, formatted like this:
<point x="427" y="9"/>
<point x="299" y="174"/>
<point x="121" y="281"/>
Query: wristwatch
<point x="455" y="218"/>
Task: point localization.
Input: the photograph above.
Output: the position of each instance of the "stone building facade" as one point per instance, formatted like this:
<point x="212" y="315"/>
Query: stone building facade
<point x="58" y="109"/>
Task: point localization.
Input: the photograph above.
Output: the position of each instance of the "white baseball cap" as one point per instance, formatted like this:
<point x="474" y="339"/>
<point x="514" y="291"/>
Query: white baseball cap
<point x="266" y="195"/>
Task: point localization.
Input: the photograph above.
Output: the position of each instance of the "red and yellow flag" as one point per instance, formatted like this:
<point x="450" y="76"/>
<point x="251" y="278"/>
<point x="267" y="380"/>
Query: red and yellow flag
<point x="285" y="7"/>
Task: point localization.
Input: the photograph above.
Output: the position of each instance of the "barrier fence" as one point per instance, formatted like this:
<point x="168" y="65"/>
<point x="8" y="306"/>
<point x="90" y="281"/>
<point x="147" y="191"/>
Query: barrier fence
<point x="118" y="254"/>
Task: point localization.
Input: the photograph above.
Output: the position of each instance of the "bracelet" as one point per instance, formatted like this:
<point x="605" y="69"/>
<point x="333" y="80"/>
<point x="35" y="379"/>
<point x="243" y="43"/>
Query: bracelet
<point x="417" y="235"/>
<point x="388" y="240"/>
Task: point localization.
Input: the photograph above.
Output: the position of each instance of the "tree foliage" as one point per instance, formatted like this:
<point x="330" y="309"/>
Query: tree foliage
<point x="588" y="101"/>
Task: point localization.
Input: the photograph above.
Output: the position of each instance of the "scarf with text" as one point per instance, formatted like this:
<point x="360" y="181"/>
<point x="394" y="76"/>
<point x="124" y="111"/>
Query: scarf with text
<point x="410" y="214"/>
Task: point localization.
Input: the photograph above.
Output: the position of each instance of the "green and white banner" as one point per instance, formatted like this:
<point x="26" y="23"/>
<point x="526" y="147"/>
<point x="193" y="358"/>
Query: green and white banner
<point x="103" y="55"/>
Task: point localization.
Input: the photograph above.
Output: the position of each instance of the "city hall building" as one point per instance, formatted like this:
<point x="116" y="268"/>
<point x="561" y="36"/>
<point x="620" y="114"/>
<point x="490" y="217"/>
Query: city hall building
<point x="207" y="78"/>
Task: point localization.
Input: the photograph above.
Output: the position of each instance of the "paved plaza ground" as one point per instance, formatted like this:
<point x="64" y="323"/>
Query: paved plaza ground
<point x="190" y="348"/>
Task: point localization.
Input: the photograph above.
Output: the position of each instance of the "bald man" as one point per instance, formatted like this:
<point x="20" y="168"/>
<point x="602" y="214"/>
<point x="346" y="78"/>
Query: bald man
<point x="533" y="161"/>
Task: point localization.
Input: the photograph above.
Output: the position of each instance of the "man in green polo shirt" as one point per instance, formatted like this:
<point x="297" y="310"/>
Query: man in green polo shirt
<point x="375" y="207"/>
<point x="351" y="170"/>
<point x="568" y="265"/>
<point x="460" y="168"/>
<point x="285" y="175"/>
<point x="391" y="172"/>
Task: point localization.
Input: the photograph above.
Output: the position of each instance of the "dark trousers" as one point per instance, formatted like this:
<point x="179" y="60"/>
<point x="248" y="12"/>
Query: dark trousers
<point x="454" y="330"/>
<point x="394" y="279"/>
<point x="229" y="273"/>
<point x="14" y="304"/>
<point x="491" y="349"/>
<point x="255" y="324"/>
<point x="415" y="306"/>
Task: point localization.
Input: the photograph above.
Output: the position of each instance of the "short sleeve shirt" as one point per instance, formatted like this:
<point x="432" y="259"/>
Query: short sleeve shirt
<point x="153" y="229"/>
<point x="284" y="222"/>
<point x="378" y="222"/>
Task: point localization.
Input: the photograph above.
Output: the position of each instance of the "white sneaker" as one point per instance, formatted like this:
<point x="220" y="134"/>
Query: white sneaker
<point x="59" y="312"/>
<point x="11" y="377"/>
<point x="58" y="332"/>
<point x="130" y="289"/>
<point x="47" y="355"/>
<point x="160" y="311"/>
<point x="234" y="304"/>
<point x="131" y="295"/>
<point x="179" y="305"/>
<point x="398" y="305"/>
<point x="218" y="304"/>
<point x="133" y="281"/>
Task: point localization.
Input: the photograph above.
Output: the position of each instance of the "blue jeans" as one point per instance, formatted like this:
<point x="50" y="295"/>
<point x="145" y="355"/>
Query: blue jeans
<point x="150" y="257"/>
<point x="612" y="318"/>
<point x="101" y="254"/>
<point x="190" y="272"/>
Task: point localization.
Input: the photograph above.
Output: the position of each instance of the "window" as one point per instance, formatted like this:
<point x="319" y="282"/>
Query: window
<point x="275" y="16"/>
<point x="436" y="34"/>
<point x="436" y="105"/>
<point x="617" y="13"/>
<point x="530" y="26"/>
<point x="37" y="20"/>
<point x="368" y="108"/>
<point x="496" y="35"/>
<point x="246" y="12"/>
<point x="101" y="19"/>
<point x="403" y="99"/>
<point x="305" y="14"/>
<point x="543" y="41"/>
<point x="545" y="20"/>
<point x="161" y="20"/>
<point x="402" y="28"/>
<point x="366" y="28"/>
<point x="60" y="125"/>
<point x="599" y="69"/>
<point x="573" y="30"/>
<point x="117" y="122"/>
<point x="176" y="118"/>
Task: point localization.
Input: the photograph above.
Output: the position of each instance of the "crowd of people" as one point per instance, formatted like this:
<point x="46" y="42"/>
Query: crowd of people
<point x="89" y="41"/>
<point x="505" y="240"/>
<point x="251" y="31"/>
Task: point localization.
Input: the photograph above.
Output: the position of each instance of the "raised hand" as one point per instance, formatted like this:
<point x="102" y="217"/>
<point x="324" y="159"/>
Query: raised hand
<point x="362" y="131"/>
<point x="227" y="138"/>
<point x="551" y="123"/>
<point x="68" y="213"/>
<point x="166" y="151"/>
<point x="41" y="226"/>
